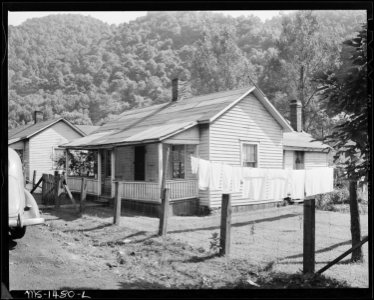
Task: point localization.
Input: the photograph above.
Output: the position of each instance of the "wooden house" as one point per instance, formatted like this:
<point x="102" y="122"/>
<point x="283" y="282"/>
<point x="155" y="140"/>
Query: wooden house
<point x="37" y="144"/>
<point x="301" y="151"/>
<point x="238" y="127"/>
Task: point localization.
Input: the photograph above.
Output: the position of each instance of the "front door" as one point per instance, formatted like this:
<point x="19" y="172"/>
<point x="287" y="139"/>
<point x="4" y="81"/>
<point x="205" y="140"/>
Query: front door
<point x="106" y="183"/>
<point x="299" y="160"/>
<point x="139" y="163"/>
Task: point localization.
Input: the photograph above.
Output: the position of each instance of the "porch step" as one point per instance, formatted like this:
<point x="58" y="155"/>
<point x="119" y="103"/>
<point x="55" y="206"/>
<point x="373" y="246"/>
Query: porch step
<point x="297" y="200"/>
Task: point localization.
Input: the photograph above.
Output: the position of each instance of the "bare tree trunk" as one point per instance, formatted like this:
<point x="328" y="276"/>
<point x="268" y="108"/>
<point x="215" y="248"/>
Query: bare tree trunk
<point x="357" y="255"/>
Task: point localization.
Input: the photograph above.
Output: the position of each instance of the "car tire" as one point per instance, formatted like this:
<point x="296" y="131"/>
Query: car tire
<point x="17" y="232"/>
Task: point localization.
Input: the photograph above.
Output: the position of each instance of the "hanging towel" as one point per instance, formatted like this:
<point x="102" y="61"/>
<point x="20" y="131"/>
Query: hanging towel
<point x="204" y="174"/>
<point x="319" y="181"/>
<point x="237" y="178"/>
<point x="296" y="184"/>
<point x="254" y="186"/>
<point x="226" y="178"/>
<point x="194" y="165"/>
<point x="215" y="176"/>
<point x="277" y="184"/>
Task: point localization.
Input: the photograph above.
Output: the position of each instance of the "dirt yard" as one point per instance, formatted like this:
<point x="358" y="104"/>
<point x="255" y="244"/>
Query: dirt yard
<point x="88" y="252"/>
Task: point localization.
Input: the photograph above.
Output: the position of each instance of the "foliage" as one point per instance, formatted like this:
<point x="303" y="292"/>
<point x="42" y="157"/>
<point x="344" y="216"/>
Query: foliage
<point x="81" y="163"/>
<point x="345" y="92"/>
<point x="304" y="48"/>
<point x="215" y="242"/>
<point x="87" y="71"/>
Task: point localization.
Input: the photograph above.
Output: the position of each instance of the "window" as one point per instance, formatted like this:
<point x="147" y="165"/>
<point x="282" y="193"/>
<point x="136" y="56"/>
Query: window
<point x="178" y="161"/>
<point x="58" y="161"/>
<point x="249" y="155"/>
<point x="299" y="160"/>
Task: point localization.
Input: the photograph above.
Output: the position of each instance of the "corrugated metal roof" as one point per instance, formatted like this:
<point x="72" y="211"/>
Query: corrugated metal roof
<point x="87" y="129"/>
<point x="302" y="140"/>
<point x="158" y="121"/>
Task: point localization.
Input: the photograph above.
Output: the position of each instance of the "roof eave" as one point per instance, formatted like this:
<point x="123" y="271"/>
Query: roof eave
<point x="301" y="148"/>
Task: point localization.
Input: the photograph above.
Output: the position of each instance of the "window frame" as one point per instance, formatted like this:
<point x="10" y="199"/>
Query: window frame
<point x="172" y="161"/>
<point x="251" y="143"/>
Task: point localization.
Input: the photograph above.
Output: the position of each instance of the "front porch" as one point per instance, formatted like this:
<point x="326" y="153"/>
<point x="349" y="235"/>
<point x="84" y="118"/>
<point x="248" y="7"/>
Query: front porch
<point x="142" y="172"/>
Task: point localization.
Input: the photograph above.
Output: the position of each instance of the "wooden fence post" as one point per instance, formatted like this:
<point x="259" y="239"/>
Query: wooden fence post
<point x="83" y="195"/>
<point x="225" y="236"/>
<point x="44" y="188"/>
<point x="117" y="204"/>
<point x="309" y="236"/>
<point x="162" y="229"/>
<point x="56" y="189"/>
<point x="33" y="179"/>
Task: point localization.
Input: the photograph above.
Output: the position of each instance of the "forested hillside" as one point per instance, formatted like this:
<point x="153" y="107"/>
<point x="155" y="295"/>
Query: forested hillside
<point x="88" y="72"/>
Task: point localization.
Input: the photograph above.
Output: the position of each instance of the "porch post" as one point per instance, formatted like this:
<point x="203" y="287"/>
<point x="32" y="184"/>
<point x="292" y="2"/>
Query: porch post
<point x="112" y="170"/>
<point x="98" y="172"/>
<point x="160" y="165"/>
<point x="67" y="162"/>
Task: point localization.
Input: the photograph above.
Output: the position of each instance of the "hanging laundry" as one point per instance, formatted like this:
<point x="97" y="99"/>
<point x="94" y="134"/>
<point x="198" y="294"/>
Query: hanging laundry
<point x="204" y="174"/>
<point x="277" y="184"/>
<point x="216" y="176"/>
<point x="237" y="177"/>
<point x="296" y="184"/>
<point x="254" y="186"/>
<point x="319" y="181"/>
<point x="194" y="164"/>
<point x="226" y="178"/>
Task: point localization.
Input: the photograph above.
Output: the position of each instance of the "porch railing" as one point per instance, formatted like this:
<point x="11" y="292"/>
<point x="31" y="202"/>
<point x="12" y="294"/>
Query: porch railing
<point x="150" y="191"/>
<point x="75" y="183"/>
<point x="138" y="190"/>
<point x="182" y="189"/>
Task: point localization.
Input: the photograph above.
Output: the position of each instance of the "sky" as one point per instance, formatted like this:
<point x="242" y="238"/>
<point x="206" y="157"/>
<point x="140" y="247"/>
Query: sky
<point x="118" y="17"/>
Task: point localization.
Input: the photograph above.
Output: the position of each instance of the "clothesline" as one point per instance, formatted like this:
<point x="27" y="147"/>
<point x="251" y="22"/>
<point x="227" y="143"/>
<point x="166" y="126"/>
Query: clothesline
<point x="262" y="183"/>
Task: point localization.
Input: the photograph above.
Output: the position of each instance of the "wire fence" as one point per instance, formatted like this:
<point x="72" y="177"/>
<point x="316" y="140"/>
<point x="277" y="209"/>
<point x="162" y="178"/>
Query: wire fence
<point x="269" y="237"/>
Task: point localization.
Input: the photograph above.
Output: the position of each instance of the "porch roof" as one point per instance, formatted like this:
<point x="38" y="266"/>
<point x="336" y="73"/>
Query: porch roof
<point x="302" y="141"/>
<point x="158" y="122"/>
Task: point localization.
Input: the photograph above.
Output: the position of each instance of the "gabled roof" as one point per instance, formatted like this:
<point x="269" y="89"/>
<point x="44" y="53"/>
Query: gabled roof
<point x="25" y="132"/>
<point x="157" y="122"/>
<point x="302" y="141"/>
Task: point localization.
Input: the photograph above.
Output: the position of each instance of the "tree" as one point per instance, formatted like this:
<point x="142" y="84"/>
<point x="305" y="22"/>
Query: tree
<point x="345" y="93"/>
<point x="218" y="63"/>
<point x="304" y="49"/>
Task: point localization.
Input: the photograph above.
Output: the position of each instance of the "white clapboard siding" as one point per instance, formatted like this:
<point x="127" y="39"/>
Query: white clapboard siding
<point x="288" y="159"/>
<point x="315" y="160"/>
<point x="26" y="159"/>
<point x="204" y="154"/>
<point x="246" y="121"/>
<point x="41" y="146"/>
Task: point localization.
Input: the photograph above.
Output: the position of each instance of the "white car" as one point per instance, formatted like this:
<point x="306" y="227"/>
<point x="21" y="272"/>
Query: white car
<point x="23" y="210"/>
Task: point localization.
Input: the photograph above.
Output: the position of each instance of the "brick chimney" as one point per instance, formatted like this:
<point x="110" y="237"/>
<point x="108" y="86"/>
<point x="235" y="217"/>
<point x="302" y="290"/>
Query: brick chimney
<point x="296" y="115"/>
<point x="174" y="89"/>
<point x="38" y="116"/>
